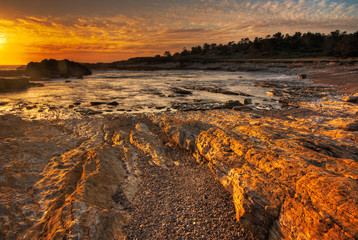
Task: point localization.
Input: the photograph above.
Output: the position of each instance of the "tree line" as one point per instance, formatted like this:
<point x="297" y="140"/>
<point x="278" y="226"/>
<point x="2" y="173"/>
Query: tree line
<point x="336" y="44"/>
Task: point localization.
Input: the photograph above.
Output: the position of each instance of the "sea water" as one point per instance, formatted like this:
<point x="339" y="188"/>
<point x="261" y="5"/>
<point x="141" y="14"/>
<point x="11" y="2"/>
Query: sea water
<point x="116" y="91"/>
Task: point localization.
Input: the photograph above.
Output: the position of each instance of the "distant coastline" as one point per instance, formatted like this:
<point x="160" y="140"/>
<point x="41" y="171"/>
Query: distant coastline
<point x="219" y="64"/>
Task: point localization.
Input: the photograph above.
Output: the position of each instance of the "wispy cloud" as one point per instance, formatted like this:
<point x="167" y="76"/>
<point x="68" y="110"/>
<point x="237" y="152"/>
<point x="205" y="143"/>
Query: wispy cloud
<point x="156" y="29"/>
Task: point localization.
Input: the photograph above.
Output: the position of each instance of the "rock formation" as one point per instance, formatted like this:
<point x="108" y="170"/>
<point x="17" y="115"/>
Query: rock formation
<point x="55" y="69"/>
<point x="291" y="178"/>
<point x="292" y="174"/>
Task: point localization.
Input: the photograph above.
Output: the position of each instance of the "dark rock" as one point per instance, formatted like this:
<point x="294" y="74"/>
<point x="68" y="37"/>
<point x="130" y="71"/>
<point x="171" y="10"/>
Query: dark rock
<point x="31" y="107"/>
<point x="96" y="103"/>
<point x="77" y="103"/>
<point x="247" y="101"/>
<point x="241" y="108"/>
<point x="68" y="81"/>
<point x="352" y="99"/>
<point x="216" y="89"/>
<point x="71" y="106"/>
<point x="10" y="85"/>
<point x="302" y="76"/>
<point x="231" y="104"/>
<point x="113" y="103"/>
<point x="88" y="112"/>
<point x="3" y="103"/>
<point x="55" y="69"/>
<point x="181" y="91"/>
<point x="352" y="126"/>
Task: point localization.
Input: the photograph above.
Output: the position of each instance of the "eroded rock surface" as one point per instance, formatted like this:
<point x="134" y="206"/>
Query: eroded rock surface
<point x="293" y="177"/>
<point x="63" y="179"/>
<point x="89" y="178"/>
<point x="292" y="174"/>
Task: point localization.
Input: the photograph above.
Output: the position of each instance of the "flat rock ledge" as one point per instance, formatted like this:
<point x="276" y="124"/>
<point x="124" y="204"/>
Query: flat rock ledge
<point x="292" y="174"/>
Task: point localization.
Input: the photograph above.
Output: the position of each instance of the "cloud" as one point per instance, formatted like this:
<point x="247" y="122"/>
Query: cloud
<point x="157" y="28"/>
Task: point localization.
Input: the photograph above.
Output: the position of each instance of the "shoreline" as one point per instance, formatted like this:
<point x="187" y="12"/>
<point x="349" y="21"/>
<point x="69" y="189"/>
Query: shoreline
<point x="286" y="173"/>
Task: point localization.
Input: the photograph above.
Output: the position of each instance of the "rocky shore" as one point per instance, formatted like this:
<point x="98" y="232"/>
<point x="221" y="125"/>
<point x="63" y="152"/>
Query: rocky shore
<point x="229" y="173"/>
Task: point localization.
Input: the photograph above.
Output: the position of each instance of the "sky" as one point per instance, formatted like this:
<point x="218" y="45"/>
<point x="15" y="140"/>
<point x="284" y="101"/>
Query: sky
<point x="112" y="30"/>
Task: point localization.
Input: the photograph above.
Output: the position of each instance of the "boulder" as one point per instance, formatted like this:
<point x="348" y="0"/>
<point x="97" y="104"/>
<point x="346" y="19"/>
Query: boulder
<point x="231" y="104"/>
<point x="247" y="101"/>
<point x="56" y="69"/>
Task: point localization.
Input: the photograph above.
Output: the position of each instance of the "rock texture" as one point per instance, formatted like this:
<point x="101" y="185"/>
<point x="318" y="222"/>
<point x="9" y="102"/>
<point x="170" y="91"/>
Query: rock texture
<point x="51" y="177"/>
<point x="55" y="69"/>
<point x="291" y="178"/>
<point x="79" y="179"/>
<point x="292" y="174"/>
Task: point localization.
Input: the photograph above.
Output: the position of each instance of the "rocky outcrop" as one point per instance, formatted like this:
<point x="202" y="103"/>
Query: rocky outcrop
<point x="63" y="180"/>
<point x="292" y="174"/>
<point x="56" y="69"/>
<point x="292" y="178"/>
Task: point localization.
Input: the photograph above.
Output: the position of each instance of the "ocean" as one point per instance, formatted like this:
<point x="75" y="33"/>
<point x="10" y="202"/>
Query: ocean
<point x="9" y="67"/>
<point x="114" y="91"/>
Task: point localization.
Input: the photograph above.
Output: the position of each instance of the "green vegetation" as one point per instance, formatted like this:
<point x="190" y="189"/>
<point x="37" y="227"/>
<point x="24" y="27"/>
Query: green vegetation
<point x="307" y="45"/>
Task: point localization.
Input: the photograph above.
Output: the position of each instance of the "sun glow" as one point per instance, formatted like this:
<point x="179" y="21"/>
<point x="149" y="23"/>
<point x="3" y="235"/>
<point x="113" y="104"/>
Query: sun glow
<point x="2" y="40"/>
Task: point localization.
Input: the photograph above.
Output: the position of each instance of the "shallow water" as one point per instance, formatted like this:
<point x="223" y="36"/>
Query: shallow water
<point x="134" y="91"/>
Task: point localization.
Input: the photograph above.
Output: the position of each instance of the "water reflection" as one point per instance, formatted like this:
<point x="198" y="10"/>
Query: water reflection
<point x="133" y="91"/>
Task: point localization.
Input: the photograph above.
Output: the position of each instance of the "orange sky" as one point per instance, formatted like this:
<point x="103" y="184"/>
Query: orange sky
<point x="117" y="30"/>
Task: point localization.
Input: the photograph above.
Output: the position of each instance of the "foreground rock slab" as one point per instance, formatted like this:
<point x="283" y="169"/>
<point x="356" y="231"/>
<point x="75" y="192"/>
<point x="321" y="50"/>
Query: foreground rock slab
<point x="291" y="177"/>
<point x="100" y="178"/>
<point x="291" y="174"/>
